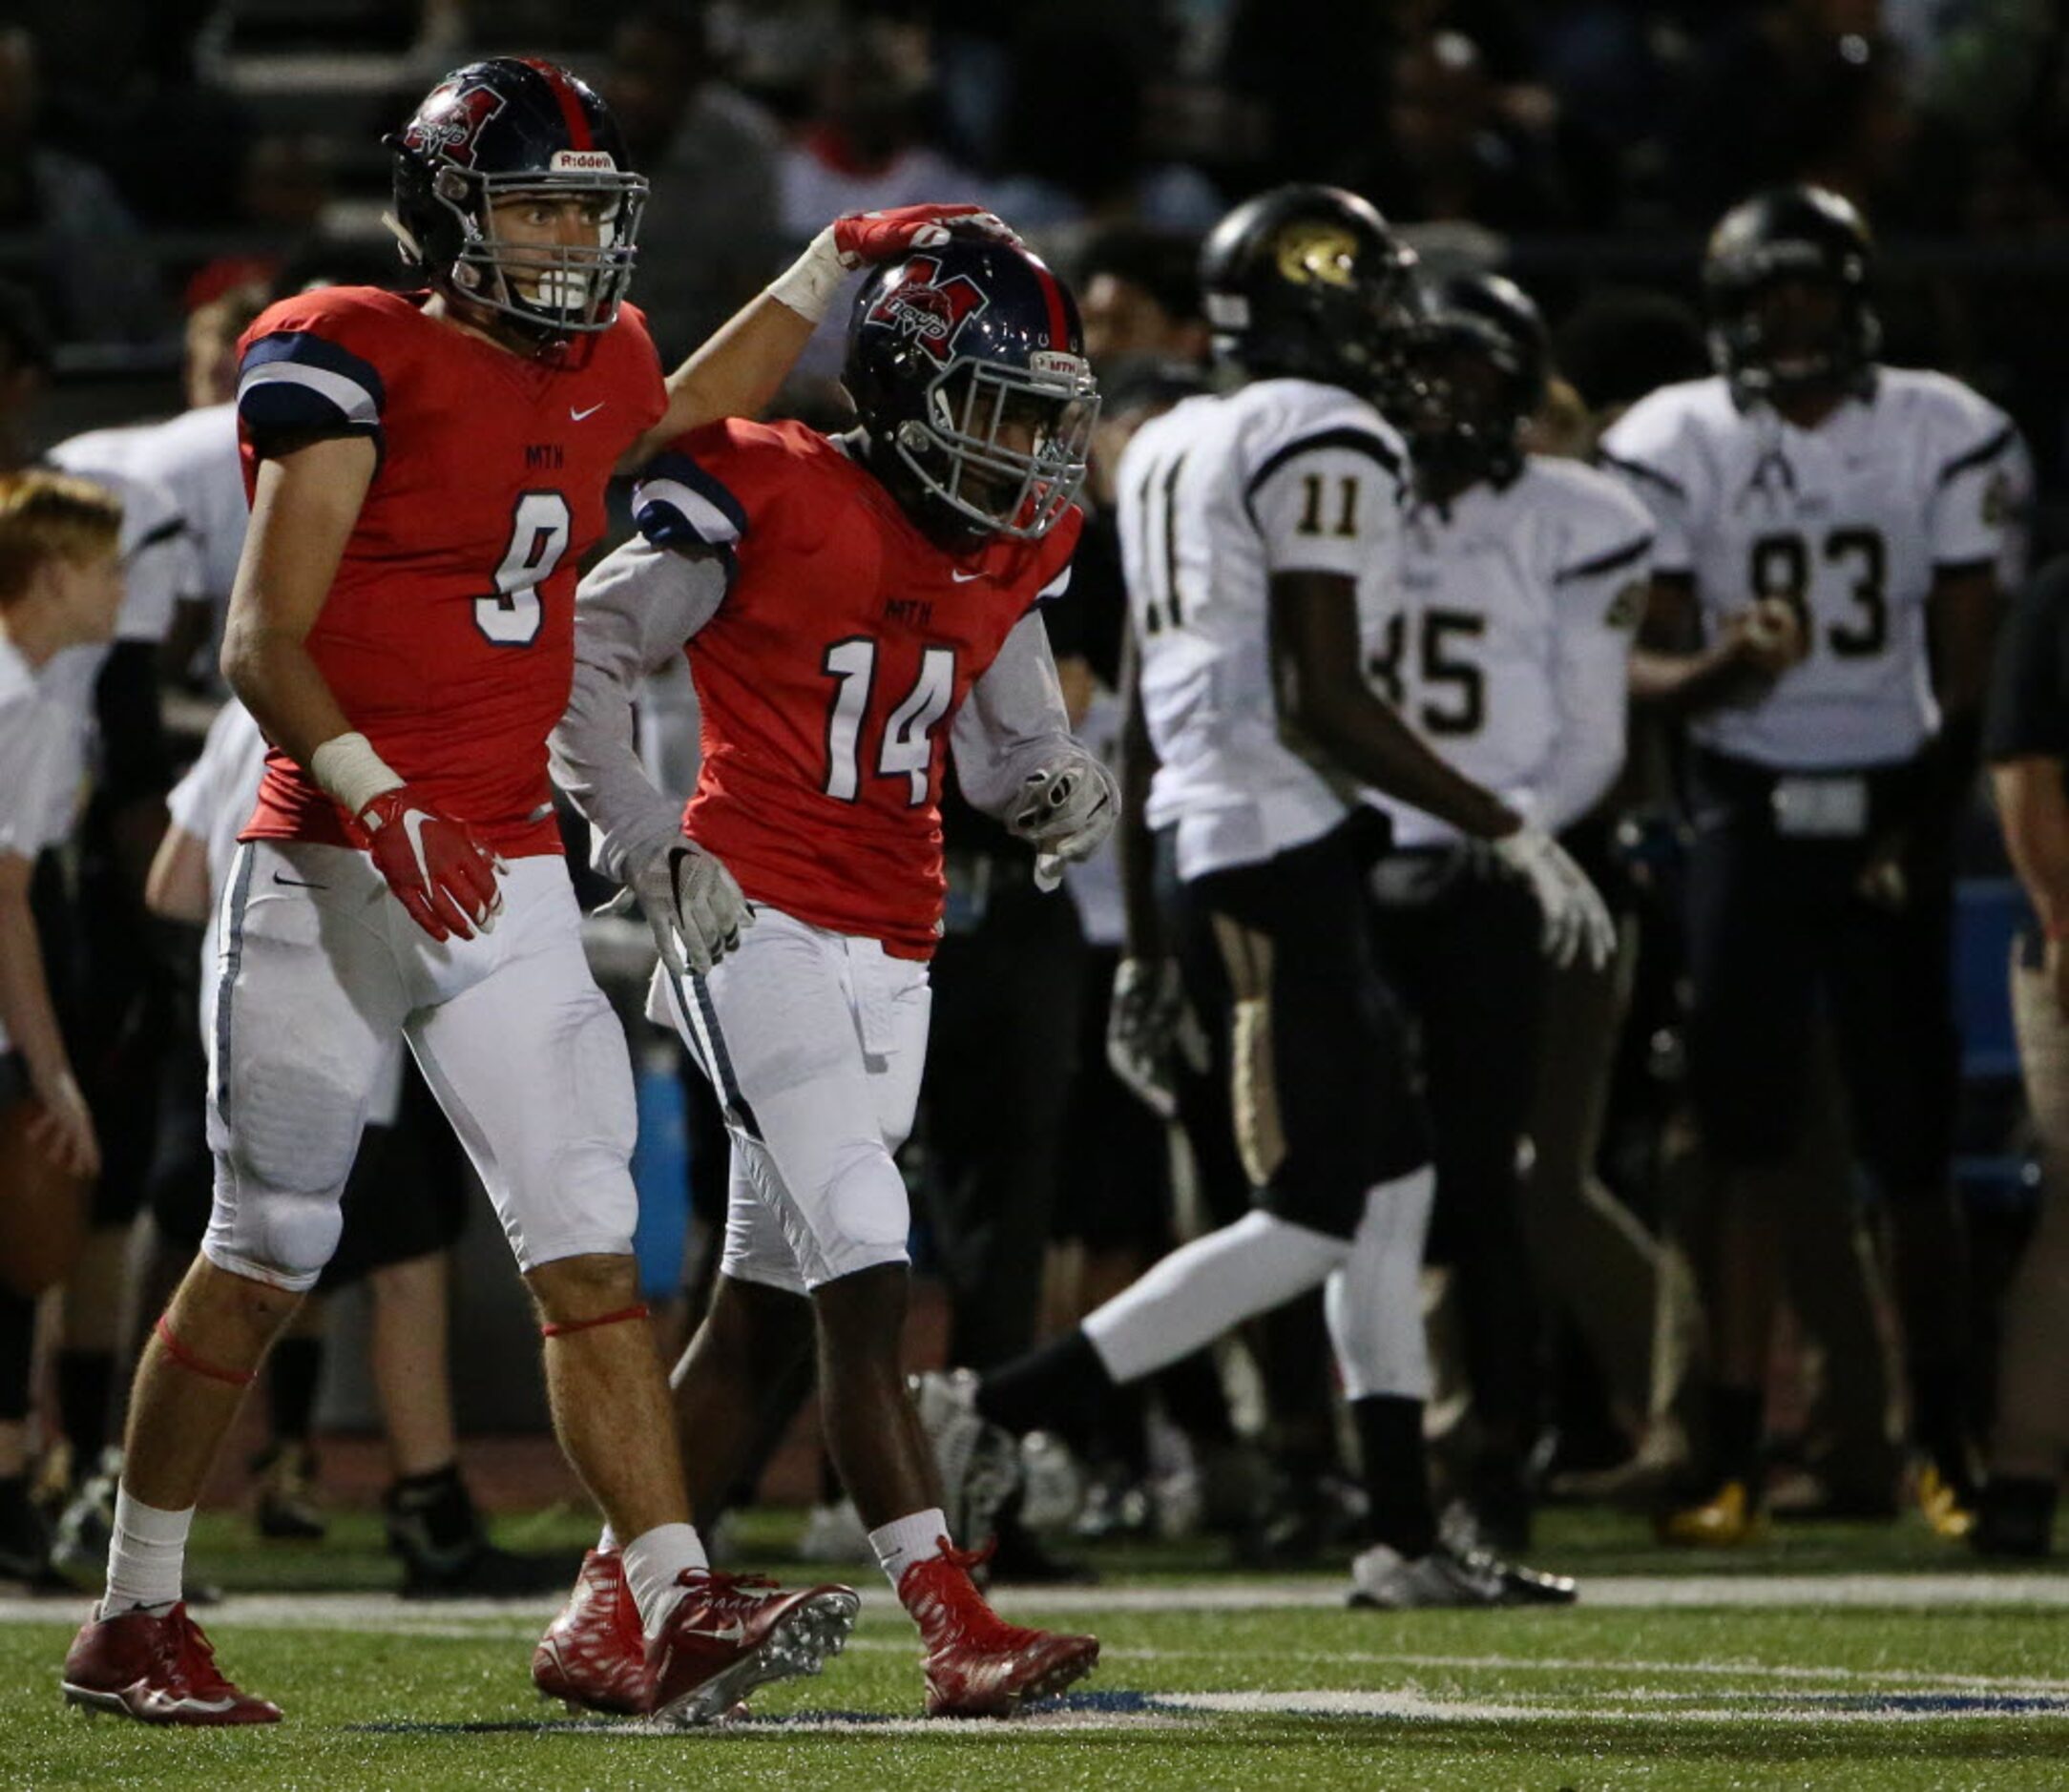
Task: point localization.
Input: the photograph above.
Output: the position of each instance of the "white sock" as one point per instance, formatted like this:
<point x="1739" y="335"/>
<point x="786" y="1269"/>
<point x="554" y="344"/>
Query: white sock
<point x="1374" y="1302"/>
<point x="607" y="1542"/>
<point x="653" y="1559"/>
<point x="146" y="1556"/>
<point x="916" y="1537"/>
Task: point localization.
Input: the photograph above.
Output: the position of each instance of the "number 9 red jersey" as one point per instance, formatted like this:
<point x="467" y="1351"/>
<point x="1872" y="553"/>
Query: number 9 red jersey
<point x="830" y="676"/>
<point x="449" y="635"/>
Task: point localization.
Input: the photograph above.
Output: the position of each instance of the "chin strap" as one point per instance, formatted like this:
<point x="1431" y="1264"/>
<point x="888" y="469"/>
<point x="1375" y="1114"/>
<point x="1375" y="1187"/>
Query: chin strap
<point x="563" y="1327"/>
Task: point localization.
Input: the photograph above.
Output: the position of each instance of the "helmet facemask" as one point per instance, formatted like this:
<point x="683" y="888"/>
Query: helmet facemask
<point x="575" y="288"/>
<point x="1787" y="321"/>
<point x="1461" y="406"/>
<point x="1006" y="448"/>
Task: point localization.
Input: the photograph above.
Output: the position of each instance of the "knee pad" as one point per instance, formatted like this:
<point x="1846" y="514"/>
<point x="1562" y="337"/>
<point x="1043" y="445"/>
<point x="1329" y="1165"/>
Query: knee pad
<point x="1374" y="1302"/>
<point x="863" y="1217"/>
<point x="271" y="1235"/>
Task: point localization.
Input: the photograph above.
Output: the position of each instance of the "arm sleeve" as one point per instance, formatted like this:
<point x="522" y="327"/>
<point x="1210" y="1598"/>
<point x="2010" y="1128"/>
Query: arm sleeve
<point x="1322" y="503"/>
<point x="37" y="763"/>
<point x="1599" y="601"/>
<point x="1012" y="722"/>
<point x="1644" y="450"/>
<point x="295" y="384"/>
<point x="630" y="613"/>
<point x="2027" y="711"/>
<point x="1973" y="496"/>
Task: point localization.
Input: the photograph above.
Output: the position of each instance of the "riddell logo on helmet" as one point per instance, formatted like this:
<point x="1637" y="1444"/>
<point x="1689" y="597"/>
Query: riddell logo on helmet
<point x="451" y="119"/>
<point x="931" y="313"/>
<point x="582" y="162"/>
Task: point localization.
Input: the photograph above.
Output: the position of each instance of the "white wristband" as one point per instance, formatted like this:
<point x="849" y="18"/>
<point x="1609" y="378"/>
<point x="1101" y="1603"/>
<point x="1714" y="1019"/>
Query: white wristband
<point x="352" y="773"/>
<point x="811" y="284"/>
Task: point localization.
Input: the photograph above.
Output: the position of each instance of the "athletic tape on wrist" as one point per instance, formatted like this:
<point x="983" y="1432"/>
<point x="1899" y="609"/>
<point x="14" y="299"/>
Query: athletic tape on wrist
<point x="199" y="1366"/>
<point x="810" y="284"/>
<point x="561" y="1327"/>
<point x="352" y="773"/>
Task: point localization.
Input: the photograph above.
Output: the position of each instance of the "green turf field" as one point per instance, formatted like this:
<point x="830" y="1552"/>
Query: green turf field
<point x="1837" y="1656"/>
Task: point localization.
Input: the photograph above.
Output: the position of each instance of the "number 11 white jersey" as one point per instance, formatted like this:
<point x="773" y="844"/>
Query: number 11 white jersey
<point x="1217" y="495"/>
<point x="1850" y="522"/>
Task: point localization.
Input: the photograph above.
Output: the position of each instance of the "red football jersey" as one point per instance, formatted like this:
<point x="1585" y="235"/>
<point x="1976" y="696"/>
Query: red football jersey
<point x="832" y="670"/>
<point x="449" y="635"/>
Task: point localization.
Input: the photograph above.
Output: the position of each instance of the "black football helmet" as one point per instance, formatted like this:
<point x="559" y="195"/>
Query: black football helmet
<point x="1762" y="257"/>
<point x="1308" y="282"/>
<point x="515" y="125"/>
<point x="1458" y="422"/>
<point x="966" y="367"/>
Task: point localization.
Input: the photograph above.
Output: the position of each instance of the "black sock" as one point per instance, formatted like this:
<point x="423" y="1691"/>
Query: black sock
<point x="1735" y="1419"/>
<point x="1396" y="1474"/>
<point x="1059" y="1386"/>
<point x="436" y="1503"/>
<point x="1939" y="1416"/>
<point x="85" y="1384"/>
<point x="17" y="1352"/>
<point x="292" y="1372"/>
<point x="1191" y="1391"/>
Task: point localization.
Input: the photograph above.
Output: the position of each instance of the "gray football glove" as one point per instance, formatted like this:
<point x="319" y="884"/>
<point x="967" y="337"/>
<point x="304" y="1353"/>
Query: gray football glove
<point x="1065" y="811"/>
<point x="692" y="903"/>
<point x="1575" y="919"/>
<point x="1147" y="1026"/>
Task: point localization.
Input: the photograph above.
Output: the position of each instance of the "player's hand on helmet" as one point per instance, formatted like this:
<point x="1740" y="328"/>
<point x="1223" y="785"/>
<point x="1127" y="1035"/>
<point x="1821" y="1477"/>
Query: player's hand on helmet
<point x="1065" y="811"/>
<point x="1144" y="1025"/>
<point x="864" y="239"/>
<point x="1577" y="921"/>
<point x="440" y="869"/>
<point x="692" y="903"/>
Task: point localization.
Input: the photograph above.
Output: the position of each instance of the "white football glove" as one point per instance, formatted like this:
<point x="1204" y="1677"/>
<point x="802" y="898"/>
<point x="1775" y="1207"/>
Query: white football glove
<point x="1148" y="1028"/>
<point x="1065" y="811"/>
<point x="1575" y="918"/>
<point x="692" y="903"/>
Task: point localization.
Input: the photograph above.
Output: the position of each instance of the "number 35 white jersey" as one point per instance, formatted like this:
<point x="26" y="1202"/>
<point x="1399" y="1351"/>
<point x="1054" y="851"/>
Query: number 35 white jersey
<point x="1850" y="522"/>
<point x="1217" y="495"/>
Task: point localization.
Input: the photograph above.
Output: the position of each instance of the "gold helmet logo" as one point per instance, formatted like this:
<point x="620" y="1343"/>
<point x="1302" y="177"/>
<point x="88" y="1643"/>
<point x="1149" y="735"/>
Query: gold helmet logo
<point x="1314" y="253"/>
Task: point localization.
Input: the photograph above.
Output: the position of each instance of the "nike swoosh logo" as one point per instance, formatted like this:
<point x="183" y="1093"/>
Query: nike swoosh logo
<point x="735" y="1632"/>
<point x="963" y="578"/>
<point x="576" y="416"/>
<point x="295" y="883"/>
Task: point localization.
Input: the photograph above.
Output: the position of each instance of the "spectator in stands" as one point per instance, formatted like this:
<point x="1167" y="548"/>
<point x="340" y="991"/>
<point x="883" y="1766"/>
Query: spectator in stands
<point x="88" y="266"/>
<point x="711" y="232"/>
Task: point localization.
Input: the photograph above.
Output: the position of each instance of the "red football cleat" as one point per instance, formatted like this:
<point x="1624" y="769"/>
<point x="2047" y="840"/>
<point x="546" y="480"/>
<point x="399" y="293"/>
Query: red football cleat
<point x="593" y="1654"/>
<point x="155" y="1669"/>
<point x="977" y="1664"/>
<point x="732" y="1633"/>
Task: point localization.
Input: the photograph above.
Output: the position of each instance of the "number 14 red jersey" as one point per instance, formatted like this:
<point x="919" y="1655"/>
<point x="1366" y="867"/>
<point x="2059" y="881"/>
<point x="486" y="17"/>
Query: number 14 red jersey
<point x="831" y="672"/>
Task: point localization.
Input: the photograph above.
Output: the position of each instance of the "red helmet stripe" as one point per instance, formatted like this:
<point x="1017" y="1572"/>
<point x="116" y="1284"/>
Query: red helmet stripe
<point x="571" y="102"/>
<point x="1059" y="324"/>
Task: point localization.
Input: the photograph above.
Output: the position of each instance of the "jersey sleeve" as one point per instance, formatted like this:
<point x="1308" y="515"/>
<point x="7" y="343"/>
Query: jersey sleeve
<point x="711" y="487"/>
<point x="2027" y="715"/>
<point x="643" y="379"/>
<point x="309" y="367"/>
<point x="1649" y="449"/>
<point x="39" y="772"/>
<point x="1973" y="495"/>
<point x="1323" y="500"/>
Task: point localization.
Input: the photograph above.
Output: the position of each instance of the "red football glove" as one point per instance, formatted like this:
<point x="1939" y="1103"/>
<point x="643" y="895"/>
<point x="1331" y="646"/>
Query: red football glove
<point x="867" y="237"/>
<point x="439" y="870"/>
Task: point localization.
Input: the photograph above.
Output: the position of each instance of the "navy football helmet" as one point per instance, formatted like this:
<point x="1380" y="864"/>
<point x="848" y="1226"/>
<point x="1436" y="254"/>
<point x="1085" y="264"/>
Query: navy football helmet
<point x="966" y="367"/>
<point x="1308" y="283"/>
<point x="1787" y="276"/>
<point x="515" y="126"/>
<point x="1480" y="365"/>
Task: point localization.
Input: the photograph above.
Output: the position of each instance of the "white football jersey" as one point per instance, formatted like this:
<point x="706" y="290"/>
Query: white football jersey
<point x="1850" y="521"/>
<point x="1216" y="496"/>
<point x="1512" y="650"/>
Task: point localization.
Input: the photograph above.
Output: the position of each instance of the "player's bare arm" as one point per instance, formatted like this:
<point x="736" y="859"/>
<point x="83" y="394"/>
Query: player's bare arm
<point x="1673" y="670"/>
<point x="736" y="373"/>
<point x="1962" y="613"/>
<point x="177" y="886"/>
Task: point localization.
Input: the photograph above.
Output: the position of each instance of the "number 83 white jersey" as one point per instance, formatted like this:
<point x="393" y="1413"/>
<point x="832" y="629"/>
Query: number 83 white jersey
<point x="1217" y="495"/>
<point x="1850" y="521"/>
